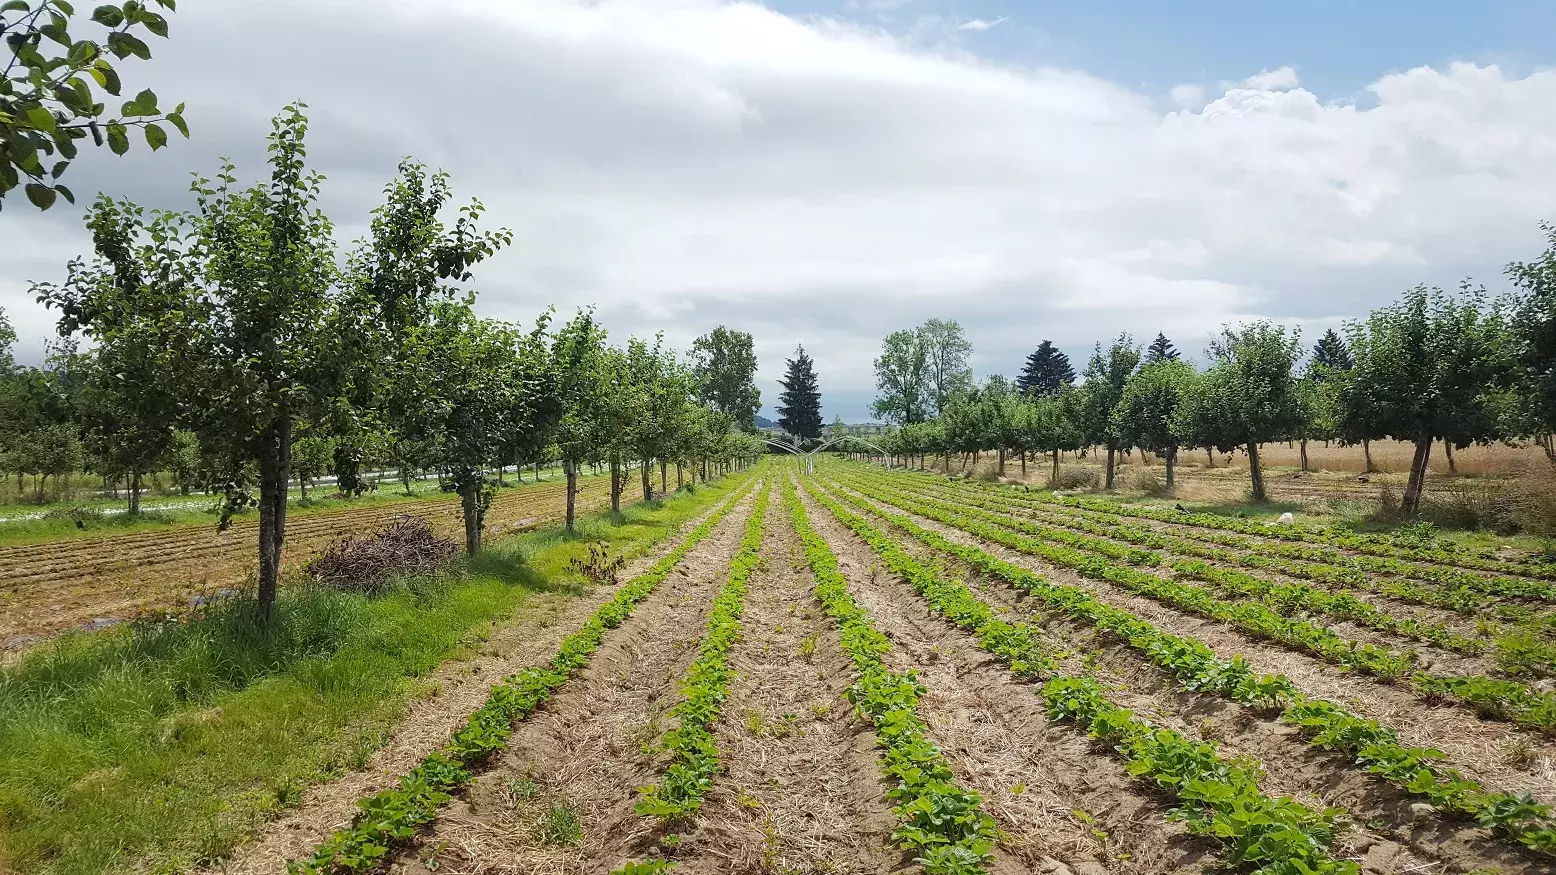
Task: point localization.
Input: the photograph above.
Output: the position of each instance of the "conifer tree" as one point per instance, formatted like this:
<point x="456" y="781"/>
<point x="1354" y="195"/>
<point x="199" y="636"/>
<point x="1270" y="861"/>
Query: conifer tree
<point x="799" y="405"/>
<point x="1331" y="352"/>
<point x="1161" y="350"/>
<point x="1047" y="371"/>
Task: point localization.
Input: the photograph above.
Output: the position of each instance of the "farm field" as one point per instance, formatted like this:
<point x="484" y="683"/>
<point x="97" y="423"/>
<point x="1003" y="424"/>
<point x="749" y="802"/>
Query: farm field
<point x="50" y="587"/>
<point x="861" y="670"/>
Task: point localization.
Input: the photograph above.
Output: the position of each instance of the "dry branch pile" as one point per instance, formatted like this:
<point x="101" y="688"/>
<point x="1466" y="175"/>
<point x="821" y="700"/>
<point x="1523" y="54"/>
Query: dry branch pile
<point x="406" y="546"/>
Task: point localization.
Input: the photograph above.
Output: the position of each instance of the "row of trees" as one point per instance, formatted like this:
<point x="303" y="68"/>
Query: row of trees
<point x="237" y="324"/>
<point x="1457" y="367"/>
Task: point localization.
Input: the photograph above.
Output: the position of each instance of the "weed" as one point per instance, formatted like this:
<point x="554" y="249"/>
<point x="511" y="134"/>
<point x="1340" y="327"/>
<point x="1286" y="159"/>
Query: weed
<point x="559" y="825"/>
<point x="520" y="791"/>
<point x="808" y="648"/>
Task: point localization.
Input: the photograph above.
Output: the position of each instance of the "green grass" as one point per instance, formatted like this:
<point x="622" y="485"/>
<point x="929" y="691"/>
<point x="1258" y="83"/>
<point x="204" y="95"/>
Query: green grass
<point x="159" y="747"/>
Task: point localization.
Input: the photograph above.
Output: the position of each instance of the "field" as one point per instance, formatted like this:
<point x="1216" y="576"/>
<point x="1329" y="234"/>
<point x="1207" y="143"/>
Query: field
<point x="879" y="671"/>
<point x="103" y="577"/>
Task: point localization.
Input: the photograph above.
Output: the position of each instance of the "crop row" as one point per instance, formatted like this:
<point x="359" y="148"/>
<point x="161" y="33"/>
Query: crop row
<point x="1502" y="699"/>
<point x="1524" y="645"/>
<point x="943" y="824"/>
<point x="1283" y="597"/>
<point x="393" y="815"/>
<point x="694" y="755"/>
<point x="1217" y="797"/>
<point x="1195" y="667"/>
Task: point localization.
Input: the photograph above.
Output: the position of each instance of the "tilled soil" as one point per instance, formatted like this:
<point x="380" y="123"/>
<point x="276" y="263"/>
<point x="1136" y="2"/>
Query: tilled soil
<point x="1495" y="753"/>
<point x="1387" y="834"/>
<point x="526" y="640"/>
<point x="803" y="790"/>
<point x="46" y="589"/>
<point x="1061" y="804"/>
<point x="560" y="799"/>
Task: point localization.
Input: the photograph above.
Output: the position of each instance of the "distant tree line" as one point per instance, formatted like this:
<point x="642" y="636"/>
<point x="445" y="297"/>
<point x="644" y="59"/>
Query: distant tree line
<point x="1456" y="366"/>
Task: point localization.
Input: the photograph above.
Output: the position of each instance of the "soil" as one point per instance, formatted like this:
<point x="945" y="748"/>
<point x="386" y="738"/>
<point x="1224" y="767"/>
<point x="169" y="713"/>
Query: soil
<point x="560" y="799"/>
<point x="528" y="639"/>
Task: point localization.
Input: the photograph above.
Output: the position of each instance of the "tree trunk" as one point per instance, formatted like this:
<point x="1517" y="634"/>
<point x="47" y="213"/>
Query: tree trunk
<point x="1453" y="469"/>
<point x="1255" y="473"/>
<point x="571" y="469"/>
<point x="1002" y="462"/>
<point x="470" y="503"/>
<point x="648" y="483"/>
<point x="1545" y="443"/>
<point x="1054" y="478"/>
<point x="1210" y="458"/>
<point x="1367" y="454"/>
<point x="1172" y="460"/>
<point x="135" y="494"/>
<point x="664" y="476"/>
<point x="275" y="462"/>
<point x="679" y="478"/>
<point x="616" y="485"/>
<point x="1412" y="502"/>
<point x="1304" y="455"/>
<point x="1023" y="464"/>
<point x="1108" y="485"/>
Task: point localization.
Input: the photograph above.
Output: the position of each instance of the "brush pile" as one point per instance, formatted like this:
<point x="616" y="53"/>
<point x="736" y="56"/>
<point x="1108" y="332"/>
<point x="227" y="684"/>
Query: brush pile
<point x="406" y="546"/>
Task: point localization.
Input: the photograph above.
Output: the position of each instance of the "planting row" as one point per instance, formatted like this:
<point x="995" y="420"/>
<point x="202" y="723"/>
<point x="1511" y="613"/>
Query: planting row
<point x="392" y="816"/>
<point x="1217" y="798"/>
<point x="1195" y="667"/>
<point x="1494" y="697"/>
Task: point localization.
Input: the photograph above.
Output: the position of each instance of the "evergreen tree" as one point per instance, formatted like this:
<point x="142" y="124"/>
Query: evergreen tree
<point x="1332" y="352"/>
<point x="1047" y="371"/>
<point x="799" y="405"/>
<point x="1161" y="350"/>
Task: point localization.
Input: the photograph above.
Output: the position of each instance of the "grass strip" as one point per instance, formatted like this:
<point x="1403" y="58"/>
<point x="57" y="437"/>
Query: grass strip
<point x="393" y="816"/>
<point x="1217" y="798"/>
<point x="694" y="754"/>
<point x="1327" y="726"/>
<point x="941" y="823"/>
<point x="1491" y="697"/>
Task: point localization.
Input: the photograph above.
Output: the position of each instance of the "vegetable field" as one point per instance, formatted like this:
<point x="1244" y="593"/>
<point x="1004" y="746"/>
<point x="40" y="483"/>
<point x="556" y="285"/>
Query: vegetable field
<point x="51" y="587"/>
<point x="873" y="671"/>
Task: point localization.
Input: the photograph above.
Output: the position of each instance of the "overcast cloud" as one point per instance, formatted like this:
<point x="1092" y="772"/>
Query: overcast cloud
<point x="685" y="163"/>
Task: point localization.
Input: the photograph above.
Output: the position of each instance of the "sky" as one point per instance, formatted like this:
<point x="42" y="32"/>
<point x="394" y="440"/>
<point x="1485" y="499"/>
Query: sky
<point x="827" y="171"/>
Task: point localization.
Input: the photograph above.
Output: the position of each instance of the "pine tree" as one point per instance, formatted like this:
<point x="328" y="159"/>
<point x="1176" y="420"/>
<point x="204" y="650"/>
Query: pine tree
<point x="1161" y="350"/>
<point x="1331" y="352"/>
<point x="1047" y="371"/>
<point x="799" y="405"/>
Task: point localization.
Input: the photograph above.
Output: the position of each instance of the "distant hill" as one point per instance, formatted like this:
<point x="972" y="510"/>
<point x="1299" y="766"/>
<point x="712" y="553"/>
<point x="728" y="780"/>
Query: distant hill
<point x="764" y="422"/>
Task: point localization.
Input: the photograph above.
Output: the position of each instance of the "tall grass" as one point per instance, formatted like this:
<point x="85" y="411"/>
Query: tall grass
<point x="159" y="746"/>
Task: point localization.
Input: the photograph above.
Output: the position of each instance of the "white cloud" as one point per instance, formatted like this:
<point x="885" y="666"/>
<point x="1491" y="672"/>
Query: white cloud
<point x="982" y="24"/>
<point x="1273" y="80"/>
<point x="683" y="163"/>
<point x="1187" y="96"/>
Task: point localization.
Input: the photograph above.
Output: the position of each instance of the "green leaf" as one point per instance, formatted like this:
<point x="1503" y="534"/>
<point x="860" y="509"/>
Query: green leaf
<point x="110" y="77"/>
<point x="66" y="193"/>
<point x="108" y="16"/>
<point x="15" y="6"/>
<point x="123" y="45"/>
<point x="59" y="168"/>
<point x="156" y="138"/>
<point x="40" y="118"/>
<point x="41" y="195"/>
<point x="65" y="7"/>
<point x="155" y="23"/>
<point x="118" y="139"/>
<point x="147" y="101"/>
<point x="177" y="120"/>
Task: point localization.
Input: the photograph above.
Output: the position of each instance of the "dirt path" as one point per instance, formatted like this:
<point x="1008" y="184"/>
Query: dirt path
<point x="1062" y="805"/>
<point x="523" y="641"/>
<point x="1493" y="752"/>
<point x="93" y="582"/>
<point x="803" y="790"/>
<point x="560" y="799"/>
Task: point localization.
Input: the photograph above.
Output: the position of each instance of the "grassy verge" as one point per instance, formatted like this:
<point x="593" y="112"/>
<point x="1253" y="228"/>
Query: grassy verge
<point x="161" y="747"/>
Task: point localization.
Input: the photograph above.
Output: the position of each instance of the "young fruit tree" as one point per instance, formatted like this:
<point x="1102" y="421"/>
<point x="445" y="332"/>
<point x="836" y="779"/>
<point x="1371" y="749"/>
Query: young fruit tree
<point x="1144" y="414"/>
<point x="1249" y="396"/>
<point x="580" y="361"/>
<point x="1106" y="375"/>
<point x="1430" y="366"/>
